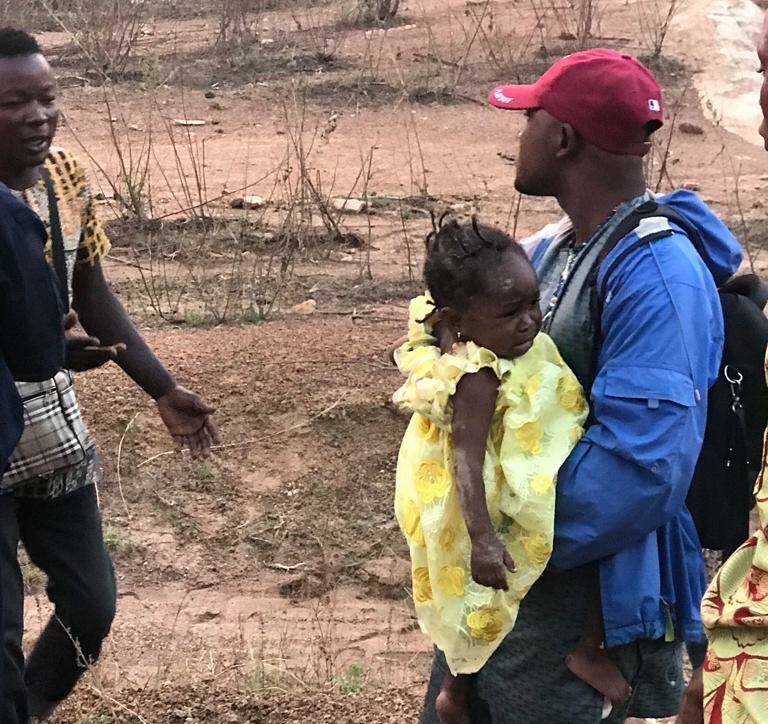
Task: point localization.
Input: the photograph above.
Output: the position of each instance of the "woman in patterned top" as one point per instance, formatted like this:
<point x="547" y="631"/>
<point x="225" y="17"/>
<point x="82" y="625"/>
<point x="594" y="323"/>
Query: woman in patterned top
<point x="735" y="606"/>
<point x="56" y="516"/>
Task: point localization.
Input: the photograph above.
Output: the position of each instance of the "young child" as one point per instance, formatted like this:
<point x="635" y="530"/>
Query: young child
<point x="493" y="421"/>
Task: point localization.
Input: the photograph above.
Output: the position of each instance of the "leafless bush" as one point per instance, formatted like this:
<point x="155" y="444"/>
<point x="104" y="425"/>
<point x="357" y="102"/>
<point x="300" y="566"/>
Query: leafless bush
<point x="106" y="32"/>
<point x="503" y="48"/>
<point x="201" y="266"/>
<point x="238" y="24"/>
<point x="370" y="12"/>
<point x="16" y="14"/>
<point x="587" y="18"/>
<point x="576" y="20"/>
<point x="655" y="19"/>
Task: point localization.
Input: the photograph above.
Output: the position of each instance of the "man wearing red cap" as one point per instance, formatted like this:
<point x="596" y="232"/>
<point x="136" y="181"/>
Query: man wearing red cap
<point x="634" y="310"/>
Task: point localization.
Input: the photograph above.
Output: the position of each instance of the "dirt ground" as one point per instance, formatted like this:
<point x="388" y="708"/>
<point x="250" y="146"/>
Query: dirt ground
<point x="270" y="584"/>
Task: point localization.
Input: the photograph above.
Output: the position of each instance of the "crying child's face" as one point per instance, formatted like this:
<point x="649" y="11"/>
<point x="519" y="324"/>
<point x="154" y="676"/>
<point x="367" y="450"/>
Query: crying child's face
<point x="506" y="316"/>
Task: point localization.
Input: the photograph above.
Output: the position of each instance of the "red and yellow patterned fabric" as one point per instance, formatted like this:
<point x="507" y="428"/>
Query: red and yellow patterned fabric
<point x="735" y="614"/>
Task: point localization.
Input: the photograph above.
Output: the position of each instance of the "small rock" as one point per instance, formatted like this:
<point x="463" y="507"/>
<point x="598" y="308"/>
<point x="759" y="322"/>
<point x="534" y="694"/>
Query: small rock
<point x="210" y="94"/>
<point x="691" y="129"/>
<point x="303" y="585"/>
<point x="247" y="202"/>
<point x="189" y="122"/>
<point x="217" y="107"/>
<point x="305" y="308"/>
<point x="757" y="204"/>
<point x="389" y="571"/>
<point x="253" y="202"/>
<point x="349" y="206"/>
<point x="207" y="616"/>
<point x="691" y="186"/>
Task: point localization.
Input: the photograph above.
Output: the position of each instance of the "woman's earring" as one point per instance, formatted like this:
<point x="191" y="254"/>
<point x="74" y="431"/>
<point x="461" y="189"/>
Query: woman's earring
<point x="458" y="336"/>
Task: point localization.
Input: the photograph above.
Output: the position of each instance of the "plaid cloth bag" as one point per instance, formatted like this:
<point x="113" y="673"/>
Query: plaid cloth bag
<point x="55" y="437"/>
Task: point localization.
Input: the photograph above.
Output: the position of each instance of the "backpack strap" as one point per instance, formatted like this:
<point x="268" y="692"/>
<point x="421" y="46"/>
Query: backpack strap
<point x="57" y="238"/>
<point x="650" y="209"/>
<point x="646" y="211"/>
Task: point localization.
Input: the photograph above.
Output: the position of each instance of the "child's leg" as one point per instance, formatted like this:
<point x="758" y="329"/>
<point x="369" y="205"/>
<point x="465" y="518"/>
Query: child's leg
<point x="453" y="700"/>
<point x="591" y="663"/>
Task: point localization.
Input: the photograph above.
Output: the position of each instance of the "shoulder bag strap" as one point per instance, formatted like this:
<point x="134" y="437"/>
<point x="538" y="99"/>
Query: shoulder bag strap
<point x="57" y="238"/>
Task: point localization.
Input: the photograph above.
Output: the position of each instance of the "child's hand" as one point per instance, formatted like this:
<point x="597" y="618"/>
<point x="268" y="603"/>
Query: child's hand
<point x="491" y="562"/>
<point x="445" y="334"/>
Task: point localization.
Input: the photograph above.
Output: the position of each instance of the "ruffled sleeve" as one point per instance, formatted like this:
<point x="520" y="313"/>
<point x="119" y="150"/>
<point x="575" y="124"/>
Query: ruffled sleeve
<point x="432" y="377"/>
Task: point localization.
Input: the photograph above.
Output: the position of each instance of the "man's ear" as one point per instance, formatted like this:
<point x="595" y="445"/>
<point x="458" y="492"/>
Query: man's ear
<point x="570" y="141"/>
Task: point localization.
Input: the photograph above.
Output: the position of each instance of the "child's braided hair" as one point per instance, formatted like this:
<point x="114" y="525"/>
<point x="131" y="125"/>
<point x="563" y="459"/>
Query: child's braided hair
<point x="459" y="258"/>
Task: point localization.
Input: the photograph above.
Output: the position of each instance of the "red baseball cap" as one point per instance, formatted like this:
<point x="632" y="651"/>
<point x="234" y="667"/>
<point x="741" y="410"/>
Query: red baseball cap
<point x="610" y="98"/>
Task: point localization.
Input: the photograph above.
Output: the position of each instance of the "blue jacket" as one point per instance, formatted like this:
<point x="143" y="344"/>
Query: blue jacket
<point x="621" y="493"/>
<point x="31" y="313"/>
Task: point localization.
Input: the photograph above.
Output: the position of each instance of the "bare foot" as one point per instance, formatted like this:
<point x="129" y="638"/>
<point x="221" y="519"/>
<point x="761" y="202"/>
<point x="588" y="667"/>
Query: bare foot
<point x="452" y="703"/>
<point x="593" y="665"/>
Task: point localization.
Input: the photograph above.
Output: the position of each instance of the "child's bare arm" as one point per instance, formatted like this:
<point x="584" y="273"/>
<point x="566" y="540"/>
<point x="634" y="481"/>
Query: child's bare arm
<point x="473" y="407"/>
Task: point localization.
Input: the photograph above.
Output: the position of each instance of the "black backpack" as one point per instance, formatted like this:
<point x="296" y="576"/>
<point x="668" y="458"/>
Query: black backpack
<point x="720" y="496"/>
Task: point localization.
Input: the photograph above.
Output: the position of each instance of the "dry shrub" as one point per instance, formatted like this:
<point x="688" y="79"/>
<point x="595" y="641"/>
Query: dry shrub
<point x="655" y="19"/>
<point x="237" y="24"/>
<point x="29" y="15"/>
<point x="587" y="19"/>
<point x="577" y="20"/>
<point x="369" y="12"/>
<point x="106" y="32"/>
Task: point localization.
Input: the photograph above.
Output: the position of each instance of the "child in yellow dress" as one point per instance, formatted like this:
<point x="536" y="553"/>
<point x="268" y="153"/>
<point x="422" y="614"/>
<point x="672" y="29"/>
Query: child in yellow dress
<point x="475" y="490"/>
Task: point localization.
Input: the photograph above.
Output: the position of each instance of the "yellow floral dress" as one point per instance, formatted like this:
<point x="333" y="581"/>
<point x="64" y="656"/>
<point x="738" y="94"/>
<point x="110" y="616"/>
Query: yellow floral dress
<point x="735" y="615"/>
<point x="540" y="410"/>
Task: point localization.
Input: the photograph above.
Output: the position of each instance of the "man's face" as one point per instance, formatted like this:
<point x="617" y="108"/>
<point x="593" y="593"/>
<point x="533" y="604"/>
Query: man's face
<point x="28" y="112"/>
<point x="536" y="157"/>
<point x="762" y="54"/>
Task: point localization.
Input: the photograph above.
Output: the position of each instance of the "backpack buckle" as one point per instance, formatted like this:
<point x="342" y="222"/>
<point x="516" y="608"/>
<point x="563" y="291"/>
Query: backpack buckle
<point x="734" y="378"/>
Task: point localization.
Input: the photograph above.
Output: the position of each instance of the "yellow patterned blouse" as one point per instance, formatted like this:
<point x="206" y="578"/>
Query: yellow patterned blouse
<point x="540" y="410"/>
<point x="735" y="614"/>
<point x="84" y="237"/>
